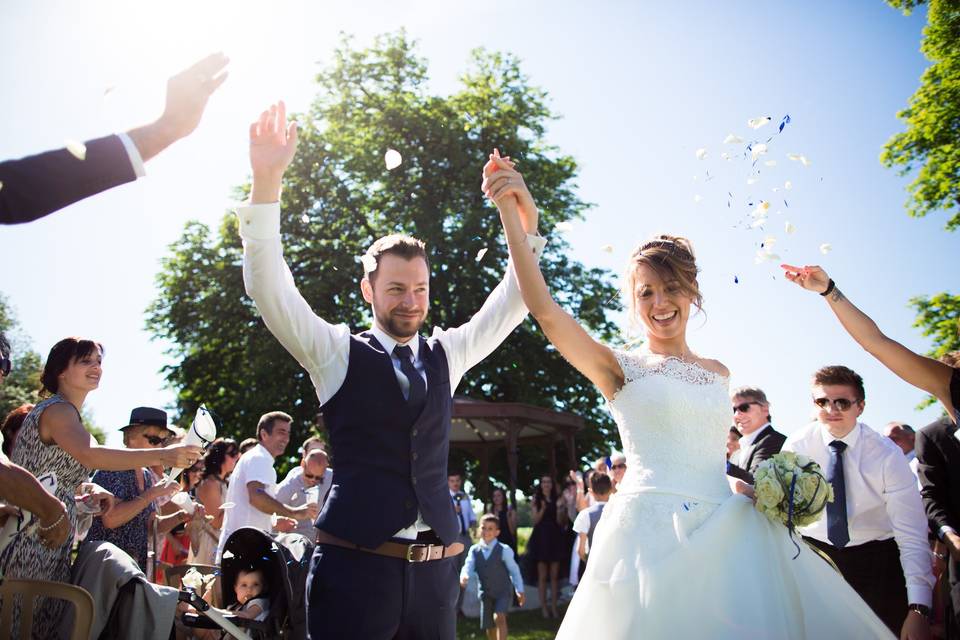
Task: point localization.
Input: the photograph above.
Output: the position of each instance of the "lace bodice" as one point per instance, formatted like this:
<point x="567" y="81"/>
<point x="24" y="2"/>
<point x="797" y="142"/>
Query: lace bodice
<point x="673" y="418"/>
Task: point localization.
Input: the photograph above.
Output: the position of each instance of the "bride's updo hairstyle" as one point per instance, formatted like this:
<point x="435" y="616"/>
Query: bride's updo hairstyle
<point x="672" y="258"/>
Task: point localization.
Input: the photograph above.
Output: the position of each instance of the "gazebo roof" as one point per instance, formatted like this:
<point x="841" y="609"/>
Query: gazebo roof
<point x="480" y="422"/>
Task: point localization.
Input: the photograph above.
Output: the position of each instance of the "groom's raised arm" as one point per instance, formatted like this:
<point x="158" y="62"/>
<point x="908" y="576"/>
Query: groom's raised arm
<point x="501" y="313"/>
<point x="320" y="347"/>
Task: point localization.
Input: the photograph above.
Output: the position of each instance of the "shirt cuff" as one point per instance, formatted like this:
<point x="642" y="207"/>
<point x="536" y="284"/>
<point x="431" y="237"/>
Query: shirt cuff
<point x="920" y="594"/>
<point x="259" y="221"/>
<point x="944" y="530"/>
<point x="536" y="243"/>
<point x="136" y="161"/>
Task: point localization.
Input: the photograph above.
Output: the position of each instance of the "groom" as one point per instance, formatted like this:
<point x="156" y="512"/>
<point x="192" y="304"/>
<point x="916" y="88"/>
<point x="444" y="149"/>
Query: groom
<point x="385" y="562"/>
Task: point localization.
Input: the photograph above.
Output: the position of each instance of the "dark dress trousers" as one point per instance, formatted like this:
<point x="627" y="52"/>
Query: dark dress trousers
<point x="767" y="443"/>
<point x="390" y="464"/>
<point x="41" y="184"/>
<point x="938" y="465"/>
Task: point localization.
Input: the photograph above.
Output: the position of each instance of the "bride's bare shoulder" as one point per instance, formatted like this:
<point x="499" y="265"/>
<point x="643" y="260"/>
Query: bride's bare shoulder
<point x="715" y="366"/>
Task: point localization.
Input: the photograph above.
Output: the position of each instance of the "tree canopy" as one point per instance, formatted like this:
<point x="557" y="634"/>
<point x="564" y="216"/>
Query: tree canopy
<point x="339" y="197"/>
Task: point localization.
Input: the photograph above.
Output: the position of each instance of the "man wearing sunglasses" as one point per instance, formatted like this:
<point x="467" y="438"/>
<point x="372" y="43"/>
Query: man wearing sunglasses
<point x="759" y="440"/>
<point x="297" y="489"/>
<point x="875" y="530"/>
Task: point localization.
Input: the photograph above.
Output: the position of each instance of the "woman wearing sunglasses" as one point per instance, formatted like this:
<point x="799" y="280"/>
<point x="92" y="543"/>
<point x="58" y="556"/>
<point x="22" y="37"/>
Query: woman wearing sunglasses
<point x="674" y="555"/>
<point x="53" y="439"/>
<point x="940" y="379"/>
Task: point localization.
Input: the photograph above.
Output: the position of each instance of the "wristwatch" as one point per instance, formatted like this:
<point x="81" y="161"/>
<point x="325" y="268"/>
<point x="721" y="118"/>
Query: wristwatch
<point x="922" y="609"/>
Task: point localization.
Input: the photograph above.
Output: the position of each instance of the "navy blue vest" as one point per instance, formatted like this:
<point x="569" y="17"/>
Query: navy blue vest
<point x="492" y="572"/>
<point x="388" y="463"/>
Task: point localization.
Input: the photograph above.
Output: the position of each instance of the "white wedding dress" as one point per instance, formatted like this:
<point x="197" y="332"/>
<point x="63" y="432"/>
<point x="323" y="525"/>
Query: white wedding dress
<point x="675" y="555"/>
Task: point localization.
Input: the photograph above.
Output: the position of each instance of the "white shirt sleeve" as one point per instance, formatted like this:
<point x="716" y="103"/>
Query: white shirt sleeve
<point x="502" y="312"/>
<point x="136" y="160"/>
<point x="321" y="348"/>
<point x="261" y="469"/>
<point x="905" y="509"/>
<point x="582" y="523"/>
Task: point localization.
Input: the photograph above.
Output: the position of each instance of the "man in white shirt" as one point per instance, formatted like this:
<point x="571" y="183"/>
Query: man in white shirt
<point x="310" y="486"/>
<point x="254" y="479"/>
<point x="875" y="530"/>
<point x="387" y="533"/>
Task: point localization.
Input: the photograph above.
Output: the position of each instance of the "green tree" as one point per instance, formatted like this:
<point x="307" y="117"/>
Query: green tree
<point x="22" y="386"/>
<point x="338" y="198"/>
<point x="931" y="142"/>
<point x="939" y="317"/>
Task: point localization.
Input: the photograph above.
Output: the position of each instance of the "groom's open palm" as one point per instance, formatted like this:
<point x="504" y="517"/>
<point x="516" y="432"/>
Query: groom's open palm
<point x="273" y="142"/>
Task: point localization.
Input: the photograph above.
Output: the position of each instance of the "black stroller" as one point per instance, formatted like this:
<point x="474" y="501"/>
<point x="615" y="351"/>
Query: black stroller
<point x="284" y="562"/>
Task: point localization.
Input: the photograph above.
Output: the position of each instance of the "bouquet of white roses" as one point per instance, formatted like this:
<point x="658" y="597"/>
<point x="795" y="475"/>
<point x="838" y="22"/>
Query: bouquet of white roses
<point x="791" y="489"/>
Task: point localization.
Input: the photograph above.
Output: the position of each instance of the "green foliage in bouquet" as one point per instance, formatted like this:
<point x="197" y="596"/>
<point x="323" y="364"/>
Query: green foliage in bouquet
<point x="787" y="473"/>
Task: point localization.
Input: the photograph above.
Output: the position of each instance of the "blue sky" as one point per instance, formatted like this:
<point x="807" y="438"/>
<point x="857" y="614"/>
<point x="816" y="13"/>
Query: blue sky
<point x="640" y="87"/>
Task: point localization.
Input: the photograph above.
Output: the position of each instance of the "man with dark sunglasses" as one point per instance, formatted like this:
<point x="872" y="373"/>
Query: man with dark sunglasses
<point x="759" y="440"/>
<point x="875" y="530"/>
<point x="296" y="489"/>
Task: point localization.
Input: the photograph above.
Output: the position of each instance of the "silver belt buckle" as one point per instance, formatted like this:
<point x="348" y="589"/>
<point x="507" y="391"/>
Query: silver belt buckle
<point x="410" y="551"/>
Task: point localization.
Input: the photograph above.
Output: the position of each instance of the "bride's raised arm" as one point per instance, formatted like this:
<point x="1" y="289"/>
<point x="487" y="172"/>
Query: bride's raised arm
<point x="505" y="186"/>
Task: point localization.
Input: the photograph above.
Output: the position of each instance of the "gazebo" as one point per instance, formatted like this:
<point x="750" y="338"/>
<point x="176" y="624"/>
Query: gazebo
<point x="481" y="428"/>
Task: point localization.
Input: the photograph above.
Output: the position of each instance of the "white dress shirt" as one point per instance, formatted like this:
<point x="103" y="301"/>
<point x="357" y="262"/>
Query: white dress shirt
<point x="746" y="441"/>
<point x="293" y="492"/>
<point x="323" y="349"/>
<point x="883" y="500"/>
<point x="256" y="465"/>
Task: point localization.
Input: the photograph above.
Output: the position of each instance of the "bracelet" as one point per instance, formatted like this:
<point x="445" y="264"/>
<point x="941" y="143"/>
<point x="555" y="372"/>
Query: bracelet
<point x="830" y="288"/>
<point x="55" y="523"/>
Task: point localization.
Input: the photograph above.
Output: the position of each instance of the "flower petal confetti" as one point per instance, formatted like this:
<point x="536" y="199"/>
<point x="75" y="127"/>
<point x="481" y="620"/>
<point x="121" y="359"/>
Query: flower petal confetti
<point x="227" y="505"/>
<point x="769" y="241"/>
<point x="481" y="253"/>
<point x="563" y="226"/>
<point x="770" y="163"/>
<point x="788" y="185"/>
<point x="761" y="211"/>
<point x="805" y="161"/>
<point x="701" y="153"/>
<point x="759" y="222"/>
<point x="227" y="555"/>
<point x="697" y="198"/>
<point x="392" y="158"/>
<point x="305" y="219"/>
<point x="732" y="139"/>
<point x="784" y="122"/>
<point x="757" y="150"/>
<point x="736" y="280"/>
<point x="825" y="248"/>
<point x="789" y="228"/>
<point x="756" y="123"/>
<point x="369" y="263"/>
<point x="77" y="149"/>
<point x="752" y="180"/>
<point x="607" y="248"/>
<point x="725" y="156"/>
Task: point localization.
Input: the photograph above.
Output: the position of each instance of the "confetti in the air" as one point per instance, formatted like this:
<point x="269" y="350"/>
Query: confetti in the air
<point x="77" y="149"/>
<point x="725" y="156"/>
<point x="805" y="161"/>
<point x="736" y="280"/>
<point x="756" y="123"/>
<point x="481" y="253"/>
<point x="304" y="218"/>
<point x="607" y="248"/>
<point x="701" y="153"/>
<point x="788" y="185"/>
<point x="769" y="241"/>
<point x="732" y="139"/>
<point x="825" y="248"/>
<point x="227" y="555"/>
<point x="369" y="263"/>
<point x="697" y="198"/>
<point x="563" y="226"/>
<point x="784" y="122"/>
<point x="752" y="180"/>
<point x="761" y="211"/>
<point x="392" y="158"/>
<point x="789" y="228"/>
<point x="770" y="163"/>
<point x="227" y="505"/>
<point x="757" y="150"/>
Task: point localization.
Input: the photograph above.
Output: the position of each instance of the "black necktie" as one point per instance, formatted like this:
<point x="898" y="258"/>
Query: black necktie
<point x="837" y="531"/>
<point x="418" y="389"/>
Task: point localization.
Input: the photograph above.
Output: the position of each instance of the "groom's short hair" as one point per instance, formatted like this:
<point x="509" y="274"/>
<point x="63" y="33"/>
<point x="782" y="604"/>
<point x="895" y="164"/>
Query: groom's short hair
<point x="398" y="244"/>
<point x="754" y="394"/>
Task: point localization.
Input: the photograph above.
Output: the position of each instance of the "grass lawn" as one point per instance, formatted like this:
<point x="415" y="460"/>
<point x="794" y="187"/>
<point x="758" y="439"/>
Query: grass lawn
<point x="525" y="625"/>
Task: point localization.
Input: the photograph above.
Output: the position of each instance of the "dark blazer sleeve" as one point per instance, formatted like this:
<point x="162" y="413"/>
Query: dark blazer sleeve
<point x="737" y="472"/>
<point x="766" y="448"/>
<point x="934" y="481"/>
<point x="41" y="184"/>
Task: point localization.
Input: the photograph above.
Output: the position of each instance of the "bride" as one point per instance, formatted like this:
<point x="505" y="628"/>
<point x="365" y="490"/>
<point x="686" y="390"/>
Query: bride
<point x="675" y="554"/>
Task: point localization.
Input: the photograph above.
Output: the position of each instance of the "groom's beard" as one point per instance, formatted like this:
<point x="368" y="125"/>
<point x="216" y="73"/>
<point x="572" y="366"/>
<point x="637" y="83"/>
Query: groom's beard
<point x="400" y="327"/>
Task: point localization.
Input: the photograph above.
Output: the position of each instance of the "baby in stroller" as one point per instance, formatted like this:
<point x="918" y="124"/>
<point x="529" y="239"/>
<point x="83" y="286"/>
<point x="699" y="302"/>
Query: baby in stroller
<point x="261" y="584"/>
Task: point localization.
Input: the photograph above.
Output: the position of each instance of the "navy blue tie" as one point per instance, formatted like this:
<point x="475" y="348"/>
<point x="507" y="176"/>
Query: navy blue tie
<point x="418" y="389"/>
<point x="837" y="531"/>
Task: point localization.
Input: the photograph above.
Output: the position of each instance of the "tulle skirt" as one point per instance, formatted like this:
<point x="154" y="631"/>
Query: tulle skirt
<point x="669" y="566"/>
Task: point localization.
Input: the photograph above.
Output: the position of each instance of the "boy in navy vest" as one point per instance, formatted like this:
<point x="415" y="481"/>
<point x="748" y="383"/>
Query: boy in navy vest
<point x="492" y="562"/>
<point x="385" y="561"/>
